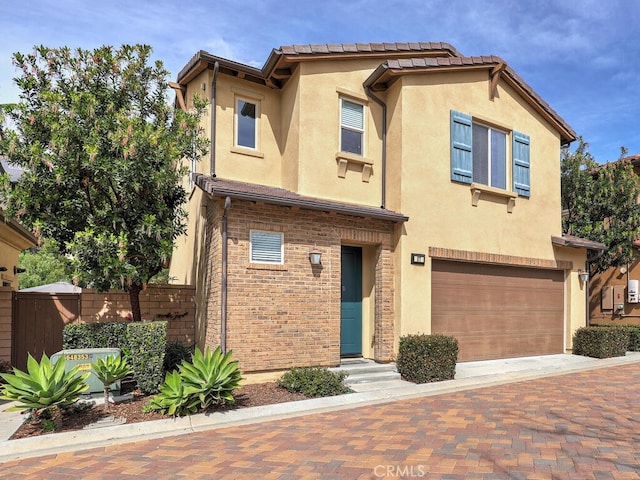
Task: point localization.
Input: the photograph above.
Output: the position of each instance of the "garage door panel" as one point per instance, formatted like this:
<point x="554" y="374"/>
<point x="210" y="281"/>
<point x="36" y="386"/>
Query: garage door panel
<point x="497" y="311"/>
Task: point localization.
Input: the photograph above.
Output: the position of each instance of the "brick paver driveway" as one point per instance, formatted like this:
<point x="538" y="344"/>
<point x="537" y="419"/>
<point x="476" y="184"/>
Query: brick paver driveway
<point x="579" y="426"/>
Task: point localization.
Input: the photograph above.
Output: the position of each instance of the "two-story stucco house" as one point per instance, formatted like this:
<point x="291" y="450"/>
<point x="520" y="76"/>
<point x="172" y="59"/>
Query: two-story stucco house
<point x="427" y="182"/>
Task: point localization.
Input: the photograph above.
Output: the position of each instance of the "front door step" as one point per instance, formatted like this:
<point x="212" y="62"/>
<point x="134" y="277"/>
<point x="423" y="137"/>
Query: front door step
<point x="367" y="371"/>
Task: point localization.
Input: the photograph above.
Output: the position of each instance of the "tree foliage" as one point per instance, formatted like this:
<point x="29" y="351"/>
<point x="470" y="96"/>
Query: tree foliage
<point x="600" y="203"/>
<point x="101" y="148"/>
<point x="44" y="265"/>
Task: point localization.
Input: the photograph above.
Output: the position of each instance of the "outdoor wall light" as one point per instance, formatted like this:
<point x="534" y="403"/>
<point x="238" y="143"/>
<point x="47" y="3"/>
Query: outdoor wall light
<point x="584" y="275"/>
<point x="418" y="259"/>
<point x="17" y="270"/>
<point x="315" y="257"/>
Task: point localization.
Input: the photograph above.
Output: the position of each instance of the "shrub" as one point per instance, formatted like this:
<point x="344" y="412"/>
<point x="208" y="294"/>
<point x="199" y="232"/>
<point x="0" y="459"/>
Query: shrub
<point x="94" y="335"/>
<point x="142" y="342"/>
<point x="5" y="367"/>
<point x="427" y="358"/>
<point x="44" y="385"/>
<point x="600" y="341"/>
<point x="146" y="343"/>
<point x="108" y="370"/>
<point x="633" y="331"/>
<point x="634" y="338"/>
<point x="174" y="354"/>
<point x="314" y="382"/>
<point x="209" y="379"/>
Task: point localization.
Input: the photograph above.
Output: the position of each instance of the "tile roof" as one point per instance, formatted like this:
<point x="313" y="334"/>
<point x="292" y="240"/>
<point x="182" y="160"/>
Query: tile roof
<point x="350" y="48"/>
<point x="406" y="65"/>
<point x="279" y="196"/>
<point x="577" y="242"/>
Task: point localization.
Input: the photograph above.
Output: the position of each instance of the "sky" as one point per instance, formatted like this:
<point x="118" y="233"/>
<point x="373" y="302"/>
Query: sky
<point x="581" y="56"/>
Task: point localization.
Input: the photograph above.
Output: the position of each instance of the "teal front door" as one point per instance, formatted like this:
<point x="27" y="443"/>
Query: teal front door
<point x="351" y="303"/>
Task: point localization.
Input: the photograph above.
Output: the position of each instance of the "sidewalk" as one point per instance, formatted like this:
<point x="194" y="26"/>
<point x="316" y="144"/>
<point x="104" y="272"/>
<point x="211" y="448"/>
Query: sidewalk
<point x="469" y="375"/>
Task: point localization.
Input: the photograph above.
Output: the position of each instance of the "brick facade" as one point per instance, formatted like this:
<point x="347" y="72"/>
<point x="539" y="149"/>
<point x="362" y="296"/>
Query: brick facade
<point x="280" y="316"/>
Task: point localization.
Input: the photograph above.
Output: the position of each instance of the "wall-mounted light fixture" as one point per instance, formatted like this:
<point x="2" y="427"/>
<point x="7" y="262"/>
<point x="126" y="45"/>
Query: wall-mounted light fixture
<point x="315" y="257"/>
<point x="3" y="269"/>
<point x="17" y="270"/>
<point x="584" y="275"/>
<point x="418" y="259"/>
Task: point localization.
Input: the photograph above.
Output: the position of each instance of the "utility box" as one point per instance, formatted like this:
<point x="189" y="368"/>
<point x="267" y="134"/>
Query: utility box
<point x="632" y="291"/>
<point x="83" y="358"/>
<point x="606" y="299"/>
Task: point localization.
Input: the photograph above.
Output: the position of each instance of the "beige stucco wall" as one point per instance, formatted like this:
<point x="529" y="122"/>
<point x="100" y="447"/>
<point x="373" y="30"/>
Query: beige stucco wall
<point x="11" y="244"/>
<point x="441" y="212"/>
<point x="299" y="138"/>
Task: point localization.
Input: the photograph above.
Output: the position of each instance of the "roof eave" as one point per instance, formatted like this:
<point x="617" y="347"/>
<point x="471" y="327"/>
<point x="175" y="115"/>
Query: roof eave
<point x="384" y="76"/>
<point x="576" y="242"/>
<point x="310" y="204"/>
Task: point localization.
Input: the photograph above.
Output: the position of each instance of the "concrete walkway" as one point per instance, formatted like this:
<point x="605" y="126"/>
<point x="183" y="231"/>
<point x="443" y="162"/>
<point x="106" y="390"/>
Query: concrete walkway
<point x="469" y="376"/>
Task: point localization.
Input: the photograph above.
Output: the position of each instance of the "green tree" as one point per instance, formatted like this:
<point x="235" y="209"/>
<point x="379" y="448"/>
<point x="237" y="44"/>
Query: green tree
<point x="44" y="265"/>
<point x="101" y="148"/>
<point x="600" y="203"/>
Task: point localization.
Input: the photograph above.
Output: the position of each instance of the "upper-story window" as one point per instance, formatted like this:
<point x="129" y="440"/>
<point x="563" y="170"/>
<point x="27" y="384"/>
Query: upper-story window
<point x="489" y="156"/>
<point x="351" y="127"/>
<point x="479" y="155"/>
<point x="247" y="113"/>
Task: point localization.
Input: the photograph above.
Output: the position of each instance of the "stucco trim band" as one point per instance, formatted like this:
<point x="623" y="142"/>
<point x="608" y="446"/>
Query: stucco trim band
<point x="498" y="259"/>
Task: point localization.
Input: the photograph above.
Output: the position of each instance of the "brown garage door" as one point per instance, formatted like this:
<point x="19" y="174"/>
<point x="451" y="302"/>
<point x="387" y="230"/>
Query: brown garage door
<point x="496" y="311"/>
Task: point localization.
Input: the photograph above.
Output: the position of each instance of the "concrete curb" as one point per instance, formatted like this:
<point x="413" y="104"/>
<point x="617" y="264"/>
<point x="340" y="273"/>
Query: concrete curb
<point x="85" y="439"/>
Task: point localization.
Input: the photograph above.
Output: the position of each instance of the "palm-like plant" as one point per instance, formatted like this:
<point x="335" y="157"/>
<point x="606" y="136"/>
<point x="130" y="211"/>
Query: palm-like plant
<point x="44" y="385"/>
<point x="108" y="370"/>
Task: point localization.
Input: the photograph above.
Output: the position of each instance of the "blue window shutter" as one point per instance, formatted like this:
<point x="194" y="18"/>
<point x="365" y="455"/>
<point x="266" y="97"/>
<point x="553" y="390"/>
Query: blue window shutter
<point x="461" y="144"/>
<point x="521" y="164"/>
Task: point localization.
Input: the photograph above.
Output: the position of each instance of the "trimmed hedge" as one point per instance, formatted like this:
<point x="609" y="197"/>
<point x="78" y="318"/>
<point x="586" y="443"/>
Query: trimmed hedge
<point x="427" y="358"/>
<point x="632" y="330"/>
<point x="601" y="342"/>
<point x="314" y="382"/>
<point x="147" y="342"/>
<point x="94" y="335"/>
<point x="143" y="343"/>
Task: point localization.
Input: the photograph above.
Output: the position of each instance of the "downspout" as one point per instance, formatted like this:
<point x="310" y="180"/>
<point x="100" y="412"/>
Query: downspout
<point x="216" y="67"/>
<point x="223" y="299"/>
<point x="587" y="306"/>
<point x="384" y="144"/>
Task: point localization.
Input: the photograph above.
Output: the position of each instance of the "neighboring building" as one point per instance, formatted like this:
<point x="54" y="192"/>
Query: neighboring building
<point x="428" y="181"/>
<point x="13" y="236"/>
<point x="613" y="294"/>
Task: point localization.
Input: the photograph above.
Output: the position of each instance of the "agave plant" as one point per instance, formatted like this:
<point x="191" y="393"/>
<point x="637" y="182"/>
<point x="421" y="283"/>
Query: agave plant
<point x="172" y="398"/>
<point x="108" y="370"/>
<point x="212" y="376"/>
<point x="209" y="379"/>
<point x="44" y="385"/>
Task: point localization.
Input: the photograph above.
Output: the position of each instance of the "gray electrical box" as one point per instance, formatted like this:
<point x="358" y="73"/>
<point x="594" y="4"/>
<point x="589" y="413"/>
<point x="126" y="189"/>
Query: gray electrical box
<point x="83" y="358"/>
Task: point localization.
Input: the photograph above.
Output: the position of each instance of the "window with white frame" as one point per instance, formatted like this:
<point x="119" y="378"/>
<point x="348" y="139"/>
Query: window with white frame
<point x="489" y="156"/>
<point x="351" y="127"/>
<point x="266" y="247"/>
<point x="246" y="123"/>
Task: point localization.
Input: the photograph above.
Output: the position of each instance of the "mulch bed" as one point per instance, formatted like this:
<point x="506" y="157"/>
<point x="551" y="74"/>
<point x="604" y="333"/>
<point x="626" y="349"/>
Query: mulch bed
<point x="76" y="419"/>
